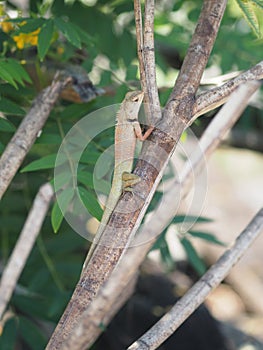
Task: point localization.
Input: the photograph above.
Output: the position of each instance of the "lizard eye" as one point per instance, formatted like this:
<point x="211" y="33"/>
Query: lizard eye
<point x="136" y="99"/>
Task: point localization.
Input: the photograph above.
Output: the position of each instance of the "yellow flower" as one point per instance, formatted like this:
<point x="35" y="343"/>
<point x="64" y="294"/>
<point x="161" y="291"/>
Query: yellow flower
<point x="26" y="38"/>
<point x="60" y="50"/>
<point x="6" y="26"/>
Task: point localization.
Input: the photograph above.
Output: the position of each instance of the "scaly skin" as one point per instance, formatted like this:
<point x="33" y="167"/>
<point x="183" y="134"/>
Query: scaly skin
<point x="127" y="130"/>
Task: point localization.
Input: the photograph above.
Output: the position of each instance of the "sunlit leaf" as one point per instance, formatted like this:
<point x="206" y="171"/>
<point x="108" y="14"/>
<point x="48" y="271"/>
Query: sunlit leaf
<point x="258" y="3"/>
<point x="249" y="13"/>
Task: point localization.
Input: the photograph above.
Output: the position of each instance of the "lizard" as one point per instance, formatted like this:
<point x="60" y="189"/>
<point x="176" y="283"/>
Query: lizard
<point x="127" y="131"/>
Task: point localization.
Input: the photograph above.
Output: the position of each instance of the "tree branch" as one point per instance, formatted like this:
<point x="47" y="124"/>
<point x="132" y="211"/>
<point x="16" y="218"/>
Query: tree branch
<point x="131" y="208"/>
<point x="86" y="331"/>
<point x="146" y="56"/>
<point x="24" y="244"/>
<point x="170" y="322"/>
<point x="210" y="140"/>
<point x="28" y="130"/>
<point x="181" y="101"/>
<point x="216" y="97"/>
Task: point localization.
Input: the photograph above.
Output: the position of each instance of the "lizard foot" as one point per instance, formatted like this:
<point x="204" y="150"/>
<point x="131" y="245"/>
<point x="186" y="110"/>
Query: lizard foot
<point x="128" y="180"/>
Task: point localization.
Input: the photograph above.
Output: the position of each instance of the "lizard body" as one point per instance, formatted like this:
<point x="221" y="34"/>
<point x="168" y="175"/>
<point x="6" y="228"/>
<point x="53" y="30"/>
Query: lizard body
<point x="127" y="130"/>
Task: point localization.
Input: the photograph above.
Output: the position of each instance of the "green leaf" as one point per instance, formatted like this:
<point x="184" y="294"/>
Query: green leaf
<point x="8" y="337"/>
<point x="75" y="111"/>
<point x="193" y="257"/>
<point x="68" y="29"/>
<point x="86" y="178"/>
<point x="31" y="334"/>
<point x="49" y="139"/>
<point x="9" y="107"/>
<point x="19" y="72"/>
<point x="207" y="237"/>
<point x="88" y="157"/>
<point x="190" y="218"/>
<point x="249" y="13"/>
<point x="165" y="254"/>
<point x="12" y="72"/>
<point x="56" y="217"/>
<point x="5" y="74"/>
<point x="6" y="125"/>
<point x="45" y="38"/>
<point x="30" y="26"/>
<point x="90" y="203"/>
<point x="85" y="37"/>
<point x="47" y="162"/>
<point x="64" y="199"/>
<point x="258" y="3"/>
<point x="2" y="147"/>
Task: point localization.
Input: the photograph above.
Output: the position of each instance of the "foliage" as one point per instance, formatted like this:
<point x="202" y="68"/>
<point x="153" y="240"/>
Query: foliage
<point x="251" y="10"/>
<point x="99" y="37"/>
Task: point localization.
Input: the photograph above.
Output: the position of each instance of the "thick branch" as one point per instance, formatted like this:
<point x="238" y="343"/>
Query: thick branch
<point x="181" y="101"/>
<point x="28" y="130"/>
<point x="171" y="321"/>
<point x="24" y="244"/>
<point x="105" y="302"/>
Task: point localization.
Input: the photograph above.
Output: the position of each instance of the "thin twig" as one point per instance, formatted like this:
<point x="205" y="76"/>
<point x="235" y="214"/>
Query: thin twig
<point x="139" y="37"/>
<point x="213" y="98"/>
<point x="28" y="130"/>
<point x="24" y="244"/>
<point x="168" y="324"/>
<point x="146" y="57"/>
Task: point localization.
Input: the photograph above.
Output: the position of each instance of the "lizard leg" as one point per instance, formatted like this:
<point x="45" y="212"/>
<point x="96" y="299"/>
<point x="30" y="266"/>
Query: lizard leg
<point x="128" y="180"/>
<point x="138" y="131"/>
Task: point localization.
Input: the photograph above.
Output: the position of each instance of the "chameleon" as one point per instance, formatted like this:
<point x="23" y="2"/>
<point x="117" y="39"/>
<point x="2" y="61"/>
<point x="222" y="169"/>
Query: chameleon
<point x="127" y="131"/>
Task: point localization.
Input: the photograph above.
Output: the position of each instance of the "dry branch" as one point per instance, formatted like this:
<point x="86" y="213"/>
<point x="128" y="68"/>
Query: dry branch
<point x="168" y="324"/>
<point x="86" y="331"/>
<point x="24" y="244"/>
<point x="216" y="97"/>
<point x="28" y="130"/>
<point x="146" y="56"/>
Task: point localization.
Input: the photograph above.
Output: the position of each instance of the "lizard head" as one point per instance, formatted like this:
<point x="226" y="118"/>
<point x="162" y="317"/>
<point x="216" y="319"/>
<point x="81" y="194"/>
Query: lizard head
<point x="133" y="103"/>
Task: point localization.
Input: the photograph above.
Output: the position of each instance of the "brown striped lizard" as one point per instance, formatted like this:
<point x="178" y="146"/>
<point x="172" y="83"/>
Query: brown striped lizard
<point x="127" y="131"/>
